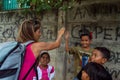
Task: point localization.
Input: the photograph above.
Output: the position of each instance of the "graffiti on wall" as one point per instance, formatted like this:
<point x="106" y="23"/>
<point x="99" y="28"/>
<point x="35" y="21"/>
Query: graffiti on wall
<point x="10" y="22"/>
<point x="114" y="60"/>
<point x="114" y="72"/>
<point x="115" y="57"/>
<point x="47" y="33"/>
<point x="94" y="12"/>
<point x="103" y="32"/>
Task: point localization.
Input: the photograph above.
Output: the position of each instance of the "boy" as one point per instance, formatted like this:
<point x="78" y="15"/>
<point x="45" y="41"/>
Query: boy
<point x="99" y="55"/>
<point x="78" y="51"/>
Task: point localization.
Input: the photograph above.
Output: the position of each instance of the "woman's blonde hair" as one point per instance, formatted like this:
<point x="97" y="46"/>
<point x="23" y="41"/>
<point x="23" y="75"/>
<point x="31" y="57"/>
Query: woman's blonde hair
<point x="27" y="29"/>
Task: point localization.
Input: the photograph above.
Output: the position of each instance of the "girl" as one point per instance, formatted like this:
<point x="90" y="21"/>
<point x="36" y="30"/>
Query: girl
<point x="45" y="71"/>
<point x="31" y="30"/>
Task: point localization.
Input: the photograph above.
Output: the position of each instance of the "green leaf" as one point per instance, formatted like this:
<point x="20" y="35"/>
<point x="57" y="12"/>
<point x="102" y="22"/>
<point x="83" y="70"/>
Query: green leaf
<point x="33" y="1"/>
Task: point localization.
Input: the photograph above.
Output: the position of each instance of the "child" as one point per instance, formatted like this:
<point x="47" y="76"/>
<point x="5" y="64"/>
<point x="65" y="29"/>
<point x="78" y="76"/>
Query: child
<point x="95" y="71"/>
<point x="85" y="41"/>
<point x="45" y="71"/>
<point x="100" y="55"/>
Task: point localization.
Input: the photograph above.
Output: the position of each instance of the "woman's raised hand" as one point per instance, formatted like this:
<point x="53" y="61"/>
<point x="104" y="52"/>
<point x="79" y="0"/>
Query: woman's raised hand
<point x="61" y="32"/>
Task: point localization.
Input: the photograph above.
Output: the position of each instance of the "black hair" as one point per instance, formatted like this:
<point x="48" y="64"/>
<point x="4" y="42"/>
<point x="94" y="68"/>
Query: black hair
<point x="105" y="52"/>
<point x="96" y="71"/>
<point x="43" y="54"/>
<point x="85" y="35"/>
<point x="85" y="32"/>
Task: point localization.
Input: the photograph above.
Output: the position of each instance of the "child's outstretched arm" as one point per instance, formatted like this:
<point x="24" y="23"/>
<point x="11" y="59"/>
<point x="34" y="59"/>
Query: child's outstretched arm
<point x="67" y="41"/>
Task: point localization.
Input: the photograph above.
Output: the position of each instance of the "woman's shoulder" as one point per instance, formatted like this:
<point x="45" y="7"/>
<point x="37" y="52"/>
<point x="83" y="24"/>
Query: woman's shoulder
<point x="38" y="44"/>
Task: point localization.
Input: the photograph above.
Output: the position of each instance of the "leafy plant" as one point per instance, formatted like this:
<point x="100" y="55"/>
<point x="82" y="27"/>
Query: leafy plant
<point x="44" y="5"/>
<point x="0" y="5"/>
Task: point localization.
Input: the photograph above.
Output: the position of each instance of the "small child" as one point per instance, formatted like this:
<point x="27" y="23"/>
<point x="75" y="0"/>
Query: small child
<point x="100" y="55"/>
<point x="45" y="71"/>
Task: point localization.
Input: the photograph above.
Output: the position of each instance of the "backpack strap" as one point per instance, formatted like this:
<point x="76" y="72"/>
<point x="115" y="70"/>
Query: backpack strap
<point x="36" y="71"/>
<point x="28" y="42"/>
<point x="35" y="68"/>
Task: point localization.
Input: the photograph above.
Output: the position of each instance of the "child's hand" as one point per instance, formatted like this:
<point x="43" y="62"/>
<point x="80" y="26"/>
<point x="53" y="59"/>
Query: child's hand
<point x="66" y="35"/>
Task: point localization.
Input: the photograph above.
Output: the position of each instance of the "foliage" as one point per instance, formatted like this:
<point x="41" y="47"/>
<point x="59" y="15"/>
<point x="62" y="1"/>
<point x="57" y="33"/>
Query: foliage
<point x="43" y="5"/>
<point x="0" y="5"/>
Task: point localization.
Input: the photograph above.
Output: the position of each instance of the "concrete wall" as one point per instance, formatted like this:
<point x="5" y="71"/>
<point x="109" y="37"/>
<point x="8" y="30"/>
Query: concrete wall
<point x="103" y="20"/>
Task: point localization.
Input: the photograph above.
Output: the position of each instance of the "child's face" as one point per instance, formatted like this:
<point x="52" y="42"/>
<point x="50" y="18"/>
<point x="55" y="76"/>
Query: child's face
<point x="97" y="57"/>
<point x="85" y="41"/>
<point x="85" y="76"/>
<point x="44" y="60"/>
